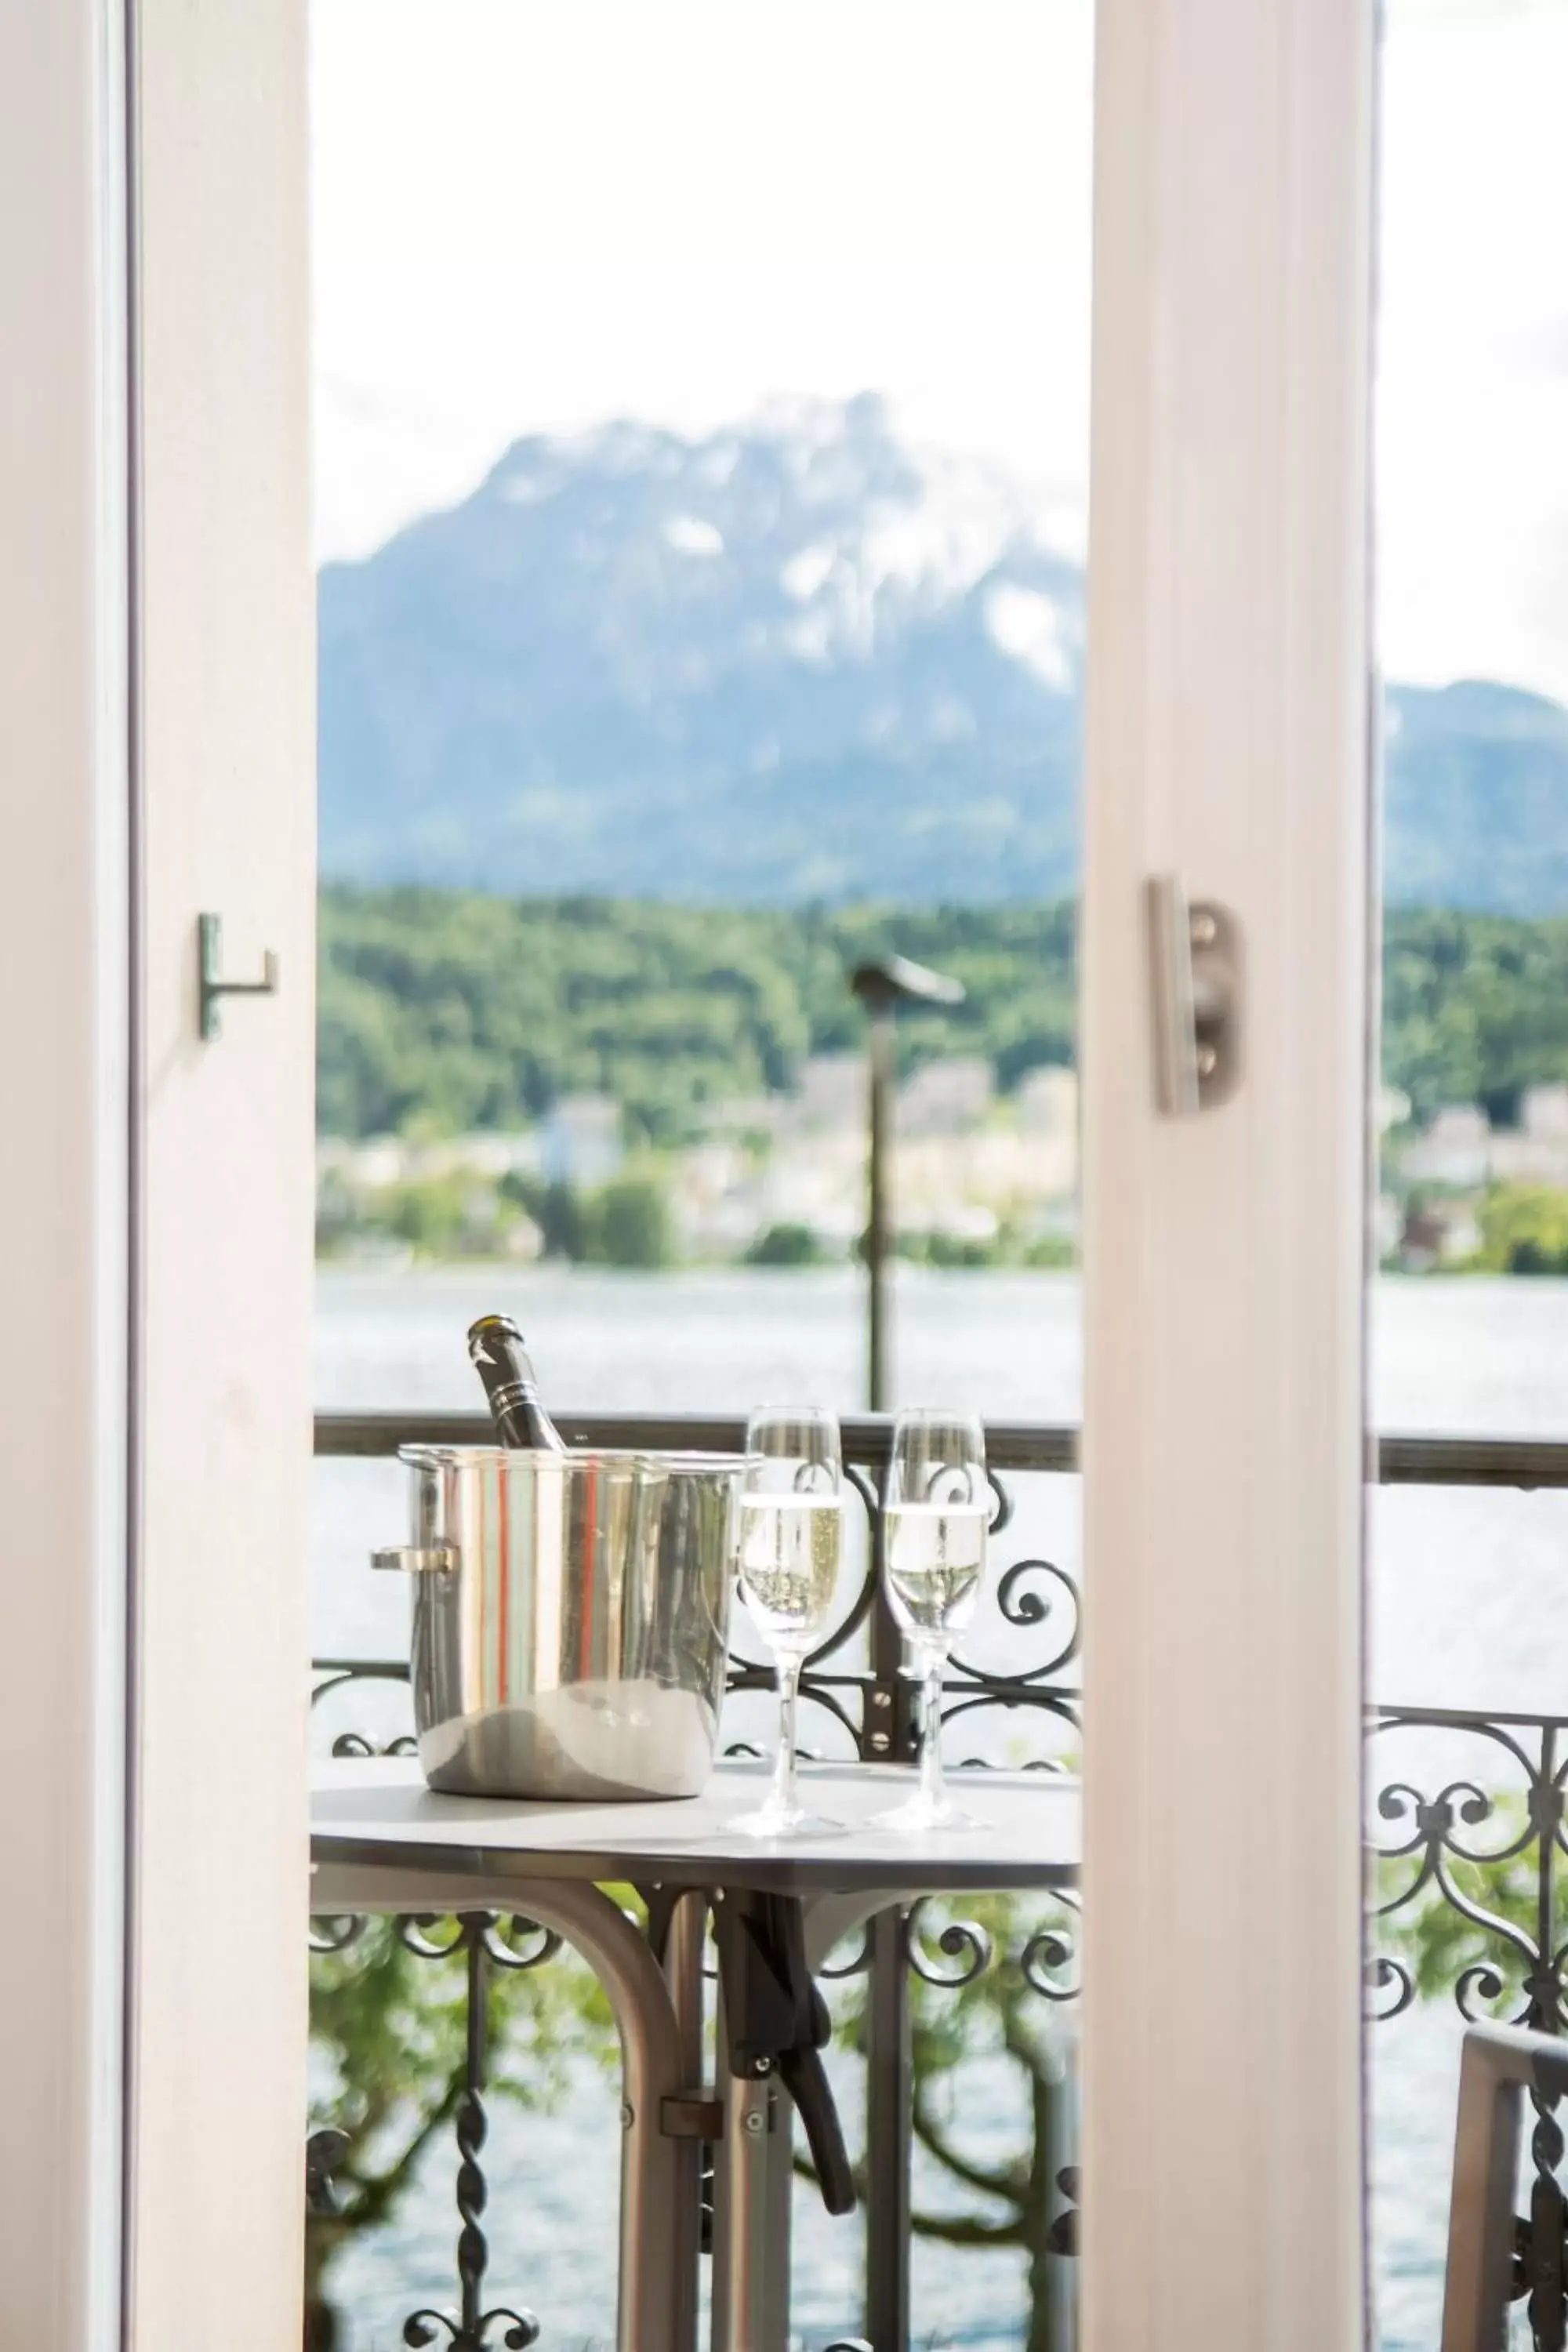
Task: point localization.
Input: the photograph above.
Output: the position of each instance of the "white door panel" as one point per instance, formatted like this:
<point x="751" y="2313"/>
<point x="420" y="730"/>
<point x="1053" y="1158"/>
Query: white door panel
<point x="1224" y="1253"/>
<point x="228" y="807"/>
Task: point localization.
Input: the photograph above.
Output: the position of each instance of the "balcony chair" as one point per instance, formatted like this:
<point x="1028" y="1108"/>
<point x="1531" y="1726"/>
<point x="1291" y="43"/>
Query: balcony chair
<point x="1499" y="2064"/>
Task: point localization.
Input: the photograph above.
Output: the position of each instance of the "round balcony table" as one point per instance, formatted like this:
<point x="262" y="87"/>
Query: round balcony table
<point x="382" y="1842"/>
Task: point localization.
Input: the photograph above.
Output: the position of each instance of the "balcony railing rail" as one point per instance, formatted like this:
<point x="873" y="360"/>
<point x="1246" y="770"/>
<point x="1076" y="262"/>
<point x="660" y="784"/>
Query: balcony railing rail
<point x="1403" y="1458"/>
<point x="1467" y="1838"/>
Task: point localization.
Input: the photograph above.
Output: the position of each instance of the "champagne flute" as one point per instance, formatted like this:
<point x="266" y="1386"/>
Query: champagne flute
<point x="936" y="1517"/>
<point x="790" y="1535"/>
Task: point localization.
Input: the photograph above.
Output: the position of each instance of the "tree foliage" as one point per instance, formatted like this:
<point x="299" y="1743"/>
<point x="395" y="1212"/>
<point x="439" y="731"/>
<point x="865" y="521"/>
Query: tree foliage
<point x="387" y="2033"/>
<point x="481" y="1013"/>
<point x="981" y="2001"/>
<point x="1475" y="1008"/>
<point x="1441" y="1944"/>
<point x="1525" y="1230"/>
<point x="470" y="1012"/>
<point x="388" y="2036"/>
<point x="787" y="1245"/>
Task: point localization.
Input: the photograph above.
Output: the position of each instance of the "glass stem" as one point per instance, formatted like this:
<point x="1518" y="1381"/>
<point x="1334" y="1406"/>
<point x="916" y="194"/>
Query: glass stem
<point x="789" y="1664"/>
<point x="933" y="1792"/>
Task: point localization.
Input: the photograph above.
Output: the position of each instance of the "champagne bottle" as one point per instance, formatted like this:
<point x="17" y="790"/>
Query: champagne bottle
<point x="496" y="1352"/>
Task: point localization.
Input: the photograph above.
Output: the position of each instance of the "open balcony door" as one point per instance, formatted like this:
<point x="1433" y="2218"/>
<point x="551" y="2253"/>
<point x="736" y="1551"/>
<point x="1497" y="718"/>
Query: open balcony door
<point x="156" y="636"/>
<point x="226" y="661"/>
<point x="1227" y="745"/>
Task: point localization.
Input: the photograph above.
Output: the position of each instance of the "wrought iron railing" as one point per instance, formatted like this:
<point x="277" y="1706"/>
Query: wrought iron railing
<point x="1401" y="1460"/>
<point x="1470" y="1900"/>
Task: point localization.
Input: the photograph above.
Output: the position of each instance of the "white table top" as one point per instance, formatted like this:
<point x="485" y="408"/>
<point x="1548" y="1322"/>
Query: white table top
<point x="377" y="1811"/>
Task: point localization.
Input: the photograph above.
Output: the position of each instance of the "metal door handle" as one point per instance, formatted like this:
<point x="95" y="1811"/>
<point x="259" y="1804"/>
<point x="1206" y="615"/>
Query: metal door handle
<point x="1195" y="973"/>
<point x="211" y="983"/>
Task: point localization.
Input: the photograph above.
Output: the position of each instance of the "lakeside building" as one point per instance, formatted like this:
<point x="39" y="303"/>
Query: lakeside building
<point x="580" y="1141"/>
<point x="948" y="1096"/>
<point x="829" y="1094"/>
<point x="965" y="1161"/>
<point x="375" y="1162"/>
<point x="1462" y="1149"/>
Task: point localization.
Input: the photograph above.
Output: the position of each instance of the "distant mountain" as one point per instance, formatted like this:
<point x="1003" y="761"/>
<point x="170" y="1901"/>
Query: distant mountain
<point x="795" y="661"/>
<point x="1476" y="799"/>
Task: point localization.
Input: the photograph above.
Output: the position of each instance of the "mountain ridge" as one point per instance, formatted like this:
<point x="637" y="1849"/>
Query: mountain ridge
<point x="795" y="661"/>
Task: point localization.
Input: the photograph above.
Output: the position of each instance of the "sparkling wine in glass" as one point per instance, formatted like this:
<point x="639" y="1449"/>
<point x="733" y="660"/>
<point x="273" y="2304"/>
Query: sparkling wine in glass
<point x="789" y="1539"/>
<point x="936" y="1519"/>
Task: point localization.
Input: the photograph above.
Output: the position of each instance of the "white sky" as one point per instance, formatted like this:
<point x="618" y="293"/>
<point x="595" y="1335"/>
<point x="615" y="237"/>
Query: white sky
<point x="534" y="214"/>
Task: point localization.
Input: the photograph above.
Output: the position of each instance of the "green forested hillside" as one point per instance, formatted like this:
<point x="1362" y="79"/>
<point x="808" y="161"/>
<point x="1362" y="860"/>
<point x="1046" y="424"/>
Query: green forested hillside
<point x="466" y="1010"/>
<point x="476" y="1011"/>
<point x="1475" y="1008"/>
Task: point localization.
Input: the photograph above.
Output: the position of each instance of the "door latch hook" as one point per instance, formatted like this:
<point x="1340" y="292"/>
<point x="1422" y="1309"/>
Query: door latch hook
<point x="210" y="983"/>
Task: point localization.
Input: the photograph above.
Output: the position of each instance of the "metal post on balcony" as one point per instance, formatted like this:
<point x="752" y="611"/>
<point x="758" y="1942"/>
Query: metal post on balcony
<point x="1544" y="2256"/>
<point x="881" y="1052"/>
<point x="882" y="985"/>
<point x="888" y="1734"/>
<point x="888" y="2052"/>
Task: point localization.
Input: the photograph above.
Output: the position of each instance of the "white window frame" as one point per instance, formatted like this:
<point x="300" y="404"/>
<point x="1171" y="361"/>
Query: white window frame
<point x="156" y="658"/>
<point x="1225" y="1254"/>
<point x="65" y="1170"/>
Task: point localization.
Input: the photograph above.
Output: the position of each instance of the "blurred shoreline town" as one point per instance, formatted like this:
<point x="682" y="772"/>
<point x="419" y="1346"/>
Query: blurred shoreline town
<point x="979" y="1179"/>
<point x="771" y="1179"/>
<point x="1462" y="1193"/>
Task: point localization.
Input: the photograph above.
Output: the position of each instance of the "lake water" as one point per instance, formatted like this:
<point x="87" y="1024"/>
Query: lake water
<point x="1469" y="1607"/>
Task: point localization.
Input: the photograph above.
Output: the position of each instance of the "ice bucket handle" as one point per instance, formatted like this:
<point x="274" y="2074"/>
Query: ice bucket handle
<point x="425" y="1559"/>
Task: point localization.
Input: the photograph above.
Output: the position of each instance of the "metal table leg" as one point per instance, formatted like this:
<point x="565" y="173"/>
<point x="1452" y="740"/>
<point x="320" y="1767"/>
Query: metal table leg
<point x="755" y="2165"/>
<point x="653" y="2304"/>
<point x="752" y="2176"/>
<point x="683" y="1974"/>
<point x="827" y="1921"/>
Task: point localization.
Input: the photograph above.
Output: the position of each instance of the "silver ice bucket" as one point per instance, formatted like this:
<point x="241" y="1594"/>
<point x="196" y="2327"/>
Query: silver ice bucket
<point x="571" y="1618"/>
